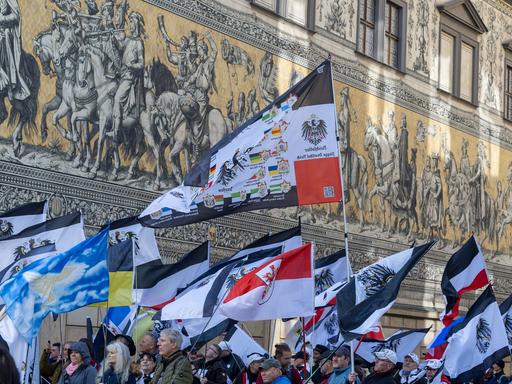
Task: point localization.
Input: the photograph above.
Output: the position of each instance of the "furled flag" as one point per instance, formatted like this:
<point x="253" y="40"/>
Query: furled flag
<point x="464" y="272"/>
<point x="156" y="283"/>
<point x="506" y="313"/>
<point x="330" y="270"/>
<point x="282" y="287"/>
<point x="17" y="219"/>
<point x="244" y="345"/>
<point x="477" y="342"/>
<point x="131" y="228"/>
<point x="40" y="241"/>
<point x="401" y="342"/>
<point x="202" y="295"/>
<point x="373" y="291"/>
<point x="58" y="284"/>
<point x="284" y="156"/>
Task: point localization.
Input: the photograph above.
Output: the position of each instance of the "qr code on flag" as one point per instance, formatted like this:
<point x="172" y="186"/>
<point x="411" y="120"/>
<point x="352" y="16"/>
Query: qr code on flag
<point x="328" y="191"/>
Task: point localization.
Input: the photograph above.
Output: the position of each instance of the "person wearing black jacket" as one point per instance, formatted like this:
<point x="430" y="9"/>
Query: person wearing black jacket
<point x="383" y="371"/>
<point x="233" y="364"/>
<point x="214" y="372"/>
<point x="317" y="358"/>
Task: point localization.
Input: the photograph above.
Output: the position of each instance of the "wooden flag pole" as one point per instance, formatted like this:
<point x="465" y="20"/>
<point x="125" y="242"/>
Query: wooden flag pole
<point x="345" y="225"/>
<point x="304" y="367"/>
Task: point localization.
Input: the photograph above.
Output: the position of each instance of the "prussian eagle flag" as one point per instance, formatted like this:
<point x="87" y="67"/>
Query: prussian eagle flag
<point x="287" y="155"/>
<point x="330" y="270"/>
<point x="283" y="287"/>
<point x="477" y="342"/>
<point x="373" y="291"/>
<point x="506" y="313"/>
<point x="17" y="219"/>
<point x="464" y="272"/>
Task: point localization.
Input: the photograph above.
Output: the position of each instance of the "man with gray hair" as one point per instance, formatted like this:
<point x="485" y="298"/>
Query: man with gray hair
<point x="174" y="367"/>
<point x="148" y="344"/>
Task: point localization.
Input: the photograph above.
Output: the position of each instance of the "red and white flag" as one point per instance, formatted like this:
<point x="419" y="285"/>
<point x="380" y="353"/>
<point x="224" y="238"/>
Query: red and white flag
<point x="283" y="287"/>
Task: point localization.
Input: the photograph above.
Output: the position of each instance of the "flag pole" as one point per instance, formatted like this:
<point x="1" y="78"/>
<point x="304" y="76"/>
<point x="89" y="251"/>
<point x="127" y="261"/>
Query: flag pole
<point x="304" y="367"/>
<point x="342" y="174"/>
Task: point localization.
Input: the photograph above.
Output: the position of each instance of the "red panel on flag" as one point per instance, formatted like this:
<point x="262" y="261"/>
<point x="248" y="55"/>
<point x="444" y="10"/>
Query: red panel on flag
<point x="318" y="181"/>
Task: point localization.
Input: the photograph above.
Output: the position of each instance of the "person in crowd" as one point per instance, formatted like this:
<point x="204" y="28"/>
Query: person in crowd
<point x="117" y="365"/>
<point x="128" y="341"/>
<point x="410" y="372"/>
<point x="8" y="370"/>
<point x="174" y="367"/>
<point x="432" y="366"/>
<point x="326" y="367"/>
<point x="299" y="361"/>
<point x="284" y="356"/>
<point x="341" y="364"/>
<point x="233" y="364"/>
<point x="252" y="372"/>
<point x="271" y="371"/>
<point x="383" y="371"/>
<point x="90" y="346"/>
<point x="317" y="358"/>
<point x="214" y="372"/>
<point x="79" y="370"/>
<point x="49" y="360"/>
<point x="147" y="344"/>
<point x="64" y="360"/>
<point x="147" y="363"/>
<point x="498" y="376"/>
<point x="196" y="359"/>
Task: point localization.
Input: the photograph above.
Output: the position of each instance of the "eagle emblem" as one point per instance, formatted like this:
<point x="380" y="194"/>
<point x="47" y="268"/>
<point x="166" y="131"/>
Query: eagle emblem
<point x="268" y="276"/>
<point x="120" y="236"/>
<point x="314" y="130"/>
<point x="323" y="280"/>
<point x="6" y="228"/>
<point x="209" y="201"/>
<point x="508" y="328"/>
<point x="483" y="335"/>
<point x="34" y="247"/>
<point x="331" y="324"/>
<point x="374" y="278"/>
<point x="389" y="344"/>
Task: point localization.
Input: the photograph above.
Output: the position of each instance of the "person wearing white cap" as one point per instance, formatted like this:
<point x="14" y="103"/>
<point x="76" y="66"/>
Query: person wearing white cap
<point x="411" y="373"/>
<point x="433" y="365"/>
<point x="251" y="373"/>
<point x="383" y="371"/>
<point x="233" y="364"/>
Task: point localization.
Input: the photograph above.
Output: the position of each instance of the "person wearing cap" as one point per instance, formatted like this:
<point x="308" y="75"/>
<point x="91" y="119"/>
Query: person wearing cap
<point x="317" y="358"/>
<point x="341" y="364"/>
<point x="251" y="374"/>
<point x="498" y="376"/>
<point x="299" y="360"/>
<point x="432" y="366"/>
<point x="128" y="341"/>
<point x="410" y="372"/>
<point x="233" y="364"/>
<point x="326" y="367"/>
<point x="383" y="371"/>
<point x="79" y="370"/>
<point x="272" y="372"/>
<point x="173" y="367"/>
<point x="284" y="356"/>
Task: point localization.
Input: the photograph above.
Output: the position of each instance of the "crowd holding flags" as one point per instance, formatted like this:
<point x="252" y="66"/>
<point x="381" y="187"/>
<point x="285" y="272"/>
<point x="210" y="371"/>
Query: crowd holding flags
<point x="287" y="155"/>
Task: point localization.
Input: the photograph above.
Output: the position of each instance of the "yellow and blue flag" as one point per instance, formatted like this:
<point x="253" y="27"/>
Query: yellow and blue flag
<point x="58" y="284"/>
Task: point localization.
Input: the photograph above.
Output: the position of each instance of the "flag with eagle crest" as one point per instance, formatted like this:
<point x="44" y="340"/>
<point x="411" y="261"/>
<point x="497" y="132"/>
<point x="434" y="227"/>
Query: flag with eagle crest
<point x="373" y="290"/>
<point x="287" y="155"/>
<point x="506" y="313"/>
<point x="478" y="341"/>
<point x="17" y="219"/>
<point x="331" y="270"/>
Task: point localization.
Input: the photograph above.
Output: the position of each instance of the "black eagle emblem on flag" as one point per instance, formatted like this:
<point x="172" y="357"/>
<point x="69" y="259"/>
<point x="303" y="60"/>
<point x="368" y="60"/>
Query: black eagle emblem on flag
<point x="314" y="130"/>
<point x="331" y="324"/>
<point x="508" y="328"/>
<point x="390" y="344"/>
<point x="374" y="278"/>
<point x="323" y="280"/>
<point x="483" y="335"/>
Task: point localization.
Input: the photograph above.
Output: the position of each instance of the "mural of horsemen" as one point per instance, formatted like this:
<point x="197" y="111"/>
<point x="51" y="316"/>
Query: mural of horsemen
<point x="116" y="91"/>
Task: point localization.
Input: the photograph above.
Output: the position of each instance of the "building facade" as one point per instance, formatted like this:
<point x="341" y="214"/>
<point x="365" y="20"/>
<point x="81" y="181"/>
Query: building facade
<point x="107" y="103"/>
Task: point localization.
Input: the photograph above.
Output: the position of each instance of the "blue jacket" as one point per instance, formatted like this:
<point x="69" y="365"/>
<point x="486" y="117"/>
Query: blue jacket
<point x="340" y="376"/>
<point x="282" y="380"/>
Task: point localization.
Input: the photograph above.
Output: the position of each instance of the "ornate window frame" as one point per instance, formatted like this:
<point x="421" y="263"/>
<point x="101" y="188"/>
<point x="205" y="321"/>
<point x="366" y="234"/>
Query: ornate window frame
<point x="279" y="8"/>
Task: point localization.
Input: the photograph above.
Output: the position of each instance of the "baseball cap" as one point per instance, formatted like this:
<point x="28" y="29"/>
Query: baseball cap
<point x="434" y="364"/>
<point x="270" y="363"/>
<point x="386" y="354"/>
<point x="255" y="356"/>
<point x="224" y="346"/>
<point x="327" y="355"/>
<point x="300" y="355"/>
<point x="414" y="357"/>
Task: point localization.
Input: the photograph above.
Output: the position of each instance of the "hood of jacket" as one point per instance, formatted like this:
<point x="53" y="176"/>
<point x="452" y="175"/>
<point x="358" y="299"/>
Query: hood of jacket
<point x="81" y="348"/>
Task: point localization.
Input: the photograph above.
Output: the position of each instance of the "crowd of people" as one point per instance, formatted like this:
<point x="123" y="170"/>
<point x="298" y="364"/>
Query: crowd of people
<point x="163" y="361"/>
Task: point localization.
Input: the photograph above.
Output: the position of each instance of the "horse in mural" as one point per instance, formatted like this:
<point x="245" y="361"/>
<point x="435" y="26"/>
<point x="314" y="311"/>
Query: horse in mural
<point x="382" y="157"/>
<point x="458" y="210"/>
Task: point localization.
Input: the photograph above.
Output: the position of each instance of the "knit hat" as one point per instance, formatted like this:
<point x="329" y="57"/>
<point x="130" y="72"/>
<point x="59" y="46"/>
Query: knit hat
<point x="320" y="348"/>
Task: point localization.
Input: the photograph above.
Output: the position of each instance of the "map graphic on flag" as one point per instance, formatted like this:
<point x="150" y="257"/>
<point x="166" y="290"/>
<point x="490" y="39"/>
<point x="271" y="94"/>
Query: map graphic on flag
<point x="287" y="155"/>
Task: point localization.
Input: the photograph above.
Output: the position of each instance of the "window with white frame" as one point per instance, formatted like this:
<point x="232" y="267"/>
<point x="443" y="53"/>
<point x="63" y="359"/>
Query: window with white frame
<point x="298" y="11"/>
